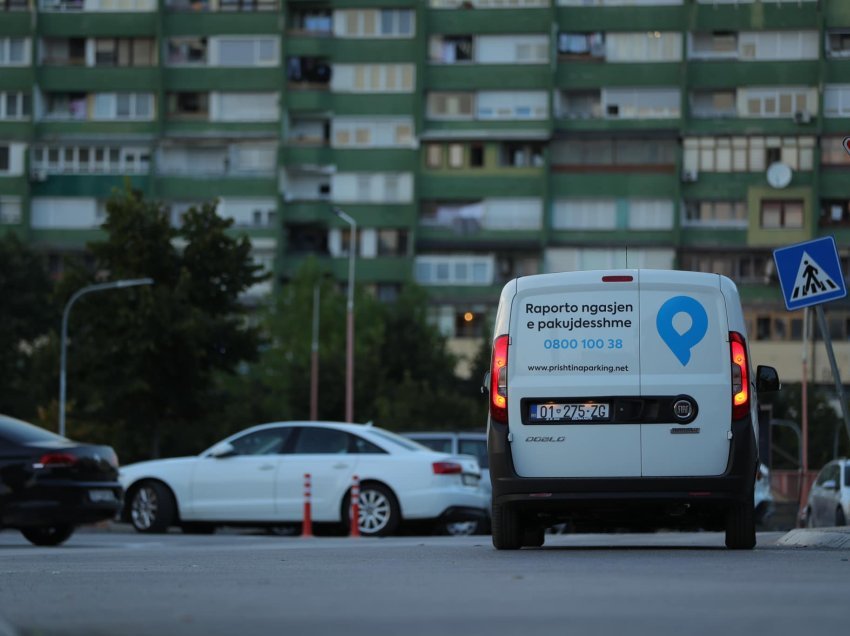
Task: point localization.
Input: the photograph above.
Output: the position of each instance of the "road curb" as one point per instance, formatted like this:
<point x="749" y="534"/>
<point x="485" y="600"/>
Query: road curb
<point x="830" y="538"/>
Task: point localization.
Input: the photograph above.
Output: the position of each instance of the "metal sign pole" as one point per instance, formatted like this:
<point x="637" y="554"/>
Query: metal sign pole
<point x="839" y="388"/>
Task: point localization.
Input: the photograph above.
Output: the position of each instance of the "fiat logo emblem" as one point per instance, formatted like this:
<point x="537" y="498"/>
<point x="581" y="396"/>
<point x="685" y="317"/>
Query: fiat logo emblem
<point x="683" y="409"/>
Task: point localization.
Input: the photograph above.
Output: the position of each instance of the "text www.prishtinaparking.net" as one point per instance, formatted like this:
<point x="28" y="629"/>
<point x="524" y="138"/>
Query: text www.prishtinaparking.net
<point x="581" y="368"/>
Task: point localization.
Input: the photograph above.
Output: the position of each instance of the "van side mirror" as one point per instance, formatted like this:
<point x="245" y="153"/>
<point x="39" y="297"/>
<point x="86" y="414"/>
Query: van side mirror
<point x="767" y="379"/>
<point x="485" y="384"/>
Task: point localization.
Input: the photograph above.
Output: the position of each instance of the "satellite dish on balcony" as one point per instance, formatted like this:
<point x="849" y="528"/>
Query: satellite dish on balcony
<point x="779" y="175"/>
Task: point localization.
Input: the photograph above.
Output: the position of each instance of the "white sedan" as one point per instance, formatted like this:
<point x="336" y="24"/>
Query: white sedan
<point x="256" y="477"/>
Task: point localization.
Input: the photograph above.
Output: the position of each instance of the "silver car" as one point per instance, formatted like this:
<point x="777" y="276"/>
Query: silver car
<point x="461" y="443"/>
<point x="829" y="498"/>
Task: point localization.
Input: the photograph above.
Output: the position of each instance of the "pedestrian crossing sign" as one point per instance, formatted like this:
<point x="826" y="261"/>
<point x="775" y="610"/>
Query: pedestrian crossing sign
<point x="809" y="273"/>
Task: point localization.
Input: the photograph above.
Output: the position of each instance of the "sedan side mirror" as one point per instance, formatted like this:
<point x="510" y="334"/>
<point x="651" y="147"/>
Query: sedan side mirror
<point x="767" y="379"/>
<point x="220" y="451"/>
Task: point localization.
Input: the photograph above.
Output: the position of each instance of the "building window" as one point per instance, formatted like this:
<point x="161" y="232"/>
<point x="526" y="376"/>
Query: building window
<point x="450" y="49"/>
<point x="14" y="51"/>
<point x="778" y="102"/>
<point x="584" y="214"/>
<point x="131" y="106"/>
<point x="715" y="214"/>
<point x="125" y="52"/>
<point x="188" y="105"/>
<point x="581" y="46"/>
<point x="372" y="133"/>
<point x="781" y="214"/>
<point x="651" y="46"/>
<point x="712" y="46"/>
<point x="709" y="104"/>
<point x="64" y="51"/>
<point x="187" y="51"/>
<point x="838" y="43"/>
<point x="640" y="103"/>
<point x="754" y="267"/>
<point x="434" y="155"/>
<point x="15" y="106"/>
<point x="458" y="270"/>
<point x="308" y="20"/>
<point x="832" y="152"/>
<point x="746" y="154"/>
<point x="392" y="242"/>
<point x="456" y="156"/>
<point x="246" y="51"/>
<point x="613" y="154"/>
<point x="834" y="212"/>
<point x="90" y="160"/>
<point x="5" y="159"/>
<point x="11" y="211"/>
<point x="373" y="78"/>
<point x="521" y="155"/>
<point x="14" y="5"/>
<point x="450" y="105"/>
<point x="374" y="23"/>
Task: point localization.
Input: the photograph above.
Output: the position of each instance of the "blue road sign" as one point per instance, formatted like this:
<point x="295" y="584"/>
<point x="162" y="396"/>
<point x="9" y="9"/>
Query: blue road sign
<point x="809" y="273"/>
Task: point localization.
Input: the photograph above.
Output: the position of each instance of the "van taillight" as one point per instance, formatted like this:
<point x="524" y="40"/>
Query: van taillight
<point x="499" y="380"/>
<point x="740" y="377"/>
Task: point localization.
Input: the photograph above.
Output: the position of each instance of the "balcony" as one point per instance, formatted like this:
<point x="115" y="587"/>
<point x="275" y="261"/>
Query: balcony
<point x="615" y="18"/>
<point x="711" y="16"/>
<point x="599" y="74"/>
<point x="98" y="79"/>
<point x="467" y="183"/>
<point x="720" y="74"/>
<point x="531" y="19"/>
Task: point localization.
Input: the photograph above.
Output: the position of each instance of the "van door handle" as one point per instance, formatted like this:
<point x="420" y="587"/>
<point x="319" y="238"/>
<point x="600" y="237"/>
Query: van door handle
<point x="341" y="465"/>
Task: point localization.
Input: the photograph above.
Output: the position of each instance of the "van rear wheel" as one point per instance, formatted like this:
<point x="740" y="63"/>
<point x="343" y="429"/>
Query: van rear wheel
<point x="507" y="533"/>
<point x="741" y="527"/>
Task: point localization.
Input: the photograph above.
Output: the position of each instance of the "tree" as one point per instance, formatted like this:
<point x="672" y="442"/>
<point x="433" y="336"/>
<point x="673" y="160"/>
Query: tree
<point x="144" y="358"/>
<point x="404" y="374"/>
<point x="26" y="315"/>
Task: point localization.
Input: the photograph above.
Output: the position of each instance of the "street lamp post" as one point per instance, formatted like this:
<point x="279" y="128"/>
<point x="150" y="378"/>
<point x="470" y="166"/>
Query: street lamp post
<point x="118" y="284"/>
<point x="349" y="339"/>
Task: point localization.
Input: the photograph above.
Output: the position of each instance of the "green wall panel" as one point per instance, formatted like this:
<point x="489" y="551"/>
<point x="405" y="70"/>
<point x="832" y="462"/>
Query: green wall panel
<point x="67" y="239"/>
<point x="373" y="215"/>
<point x="712" y="237"/>
<point x="834" y="183"/>
<point x="836" y="13"/>
<point x="228" y="130"/>
<point x="755" y="16"/>
<point x="309" y="100"/>
<point x="212" y="187"/>
<point x="85" y="128"/>
<point x="632" y="184"/>
<point x="315" y="46"/>
<point x="617" y="125"/>
<point x="431" y="237"/>
<point x="222" y="79"/>
<point x="726" y="74"/>
<point x="15" y="23"/>
<point x="534" y="128"/>
<point x="487" y="76"/>
<point x="375" y="104"/>
<point x="466" y="186"/>
<point x="659" y="18"/>
<point x="15" y="186"/>
<point x="596" y="75"/>
<point x="190" y="23"/>
<point x="16" y="78"/>
<point x="612" y="237"/>
<point x="354" y="51"/>
<point x="750" y="126"/>
<point x="836" y="71"/>
<point x="92" y="23"/>
<point x="316" y="155"/>
<point x="78" y="78"/>
<point x="481" y="21"/>
<point x="15" y="130"/>
<point x="100" y="187"/>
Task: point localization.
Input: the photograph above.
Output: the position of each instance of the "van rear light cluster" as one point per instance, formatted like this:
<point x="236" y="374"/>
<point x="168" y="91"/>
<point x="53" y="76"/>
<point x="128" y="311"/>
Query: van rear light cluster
<point x="499" y="380"/>
<point x="740" y="376"/>
<point x="447" y="468"/>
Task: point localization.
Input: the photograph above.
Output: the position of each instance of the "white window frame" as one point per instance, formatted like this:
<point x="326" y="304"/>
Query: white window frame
<point x="110" y="102"/>
<point x="214" y="45"/>
<point x="20" y="98"/>
<point x="6" y="52"/>
<point x="11" y="210"/>
<point x="454" y="265"/>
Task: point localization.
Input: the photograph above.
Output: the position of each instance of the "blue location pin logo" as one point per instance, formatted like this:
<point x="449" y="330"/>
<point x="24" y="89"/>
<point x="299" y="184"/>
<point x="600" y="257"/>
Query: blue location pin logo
<point x="682" y="343"/>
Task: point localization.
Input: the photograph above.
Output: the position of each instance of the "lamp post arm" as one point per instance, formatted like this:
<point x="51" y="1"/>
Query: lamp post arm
<point x="63" y="357"/>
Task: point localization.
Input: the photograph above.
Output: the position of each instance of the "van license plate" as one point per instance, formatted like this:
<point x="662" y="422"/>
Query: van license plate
<point x="570" y="412"/>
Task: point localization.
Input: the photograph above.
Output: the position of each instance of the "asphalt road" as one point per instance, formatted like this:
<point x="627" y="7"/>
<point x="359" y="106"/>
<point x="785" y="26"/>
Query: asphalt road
<point x="115" y="583"/>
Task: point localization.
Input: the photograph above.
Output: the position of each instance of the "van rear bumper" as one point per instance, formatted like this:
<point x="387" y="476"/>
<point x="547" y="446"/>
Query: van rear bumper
<point x="607" y="497"/>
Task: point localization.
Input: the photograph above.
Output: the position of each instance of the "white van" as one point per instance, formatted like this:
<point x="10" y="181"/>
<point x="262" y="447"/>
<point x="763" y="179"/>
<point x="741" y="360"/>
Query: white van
<point x="622" y="399"/>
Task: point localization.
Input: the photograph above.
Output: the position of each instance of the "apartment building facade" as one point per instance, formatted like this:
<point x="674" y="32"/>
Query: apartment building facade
<point x="472" y="141"/>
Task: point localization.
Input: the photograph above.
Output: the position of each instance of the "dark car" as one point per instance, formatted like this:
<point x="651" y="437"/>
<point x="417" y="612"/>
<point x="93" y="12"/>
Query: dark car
<point x="49" y="484"/>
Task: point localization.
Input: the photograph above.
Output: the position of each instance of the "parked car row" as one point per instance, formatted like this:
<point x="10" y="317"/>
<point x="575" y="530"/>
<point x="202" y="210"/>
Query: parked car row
<point x="49" y="484"/>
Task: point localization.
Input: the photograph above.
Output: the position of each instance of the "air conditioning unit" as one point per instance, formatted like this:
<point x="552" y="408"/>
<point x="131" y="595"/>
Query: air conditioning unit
<point x="802" y="117"/>
<point x="689" y="176"/>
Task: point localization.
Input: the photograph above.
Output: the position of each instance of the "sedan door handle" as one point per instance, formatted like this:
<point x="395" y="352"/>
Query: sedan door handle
<point x="341" y="465"/>
<point x="267" y="467"/>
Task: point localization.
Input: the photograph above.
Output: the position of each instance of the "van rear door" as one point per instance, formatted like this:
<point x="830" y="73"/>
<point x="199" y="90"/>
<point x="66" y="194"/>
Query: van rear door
<point x="575" y="341"/>
<point x="684" y="337"/>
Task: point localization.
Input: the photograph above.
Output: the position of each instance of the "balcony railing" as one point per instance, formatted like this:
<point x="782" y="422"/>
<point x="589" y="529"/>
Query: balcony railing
<point x="14" y="5"/>
<point x="229" y="6"/>
<point x="96" y="5"/>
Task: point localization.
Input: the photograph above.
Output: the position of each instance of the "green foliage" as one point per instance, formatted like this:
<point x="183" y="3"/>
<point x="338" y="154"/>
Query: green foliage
<point x="404" y="374"/>
<point x="824" y="423"/>
<point x="27" y="313"/>
<point x="142" y="360"/>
